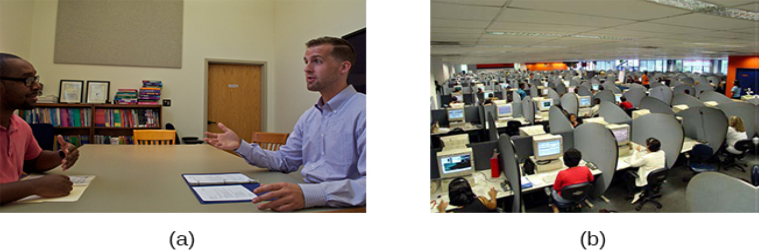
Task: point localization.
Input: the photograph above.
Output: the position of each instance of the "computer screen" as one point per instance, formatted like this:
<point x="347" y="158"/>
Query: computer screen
<point x="504" y="87"/>
<point x="455" y="115"/>
<point x="488" y="95"/>
<point x="545" y="91"/>
<point x="504" y="110"/>
<point x="456" y="164"/>
<point x="618" y="97"/>
<point x="621" y="133"/>
<point x="546" y="104"/>
<point x="584" y="101"/>
<point x="595" y="87"/>
<point x="459" y="97"/>
<point x="548" y="148"/>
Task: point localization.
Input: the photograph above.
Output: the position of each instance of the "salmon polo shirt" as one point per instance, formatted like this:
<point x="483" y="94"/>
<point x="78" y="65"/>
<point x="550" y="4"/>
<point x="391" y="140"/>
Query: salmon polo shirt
<point x="17" y="144"/>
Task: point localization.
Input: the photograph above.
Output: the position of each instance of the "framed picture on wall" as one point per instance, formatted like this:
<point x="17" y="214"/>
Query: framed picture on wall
<point x="71" y="91"/>
<point x="98" y="91"/>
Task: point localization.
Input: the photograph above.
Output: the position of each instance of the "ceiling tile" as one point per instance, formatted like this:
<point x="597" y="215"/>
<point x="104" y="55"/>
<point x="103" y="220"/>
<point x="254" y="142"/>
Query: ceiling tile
<point x="528" y="27"/>
<point x="496" y="3"/>
<point x="619" y="9"/>
<point x="451" y="23"/>
<point x="463" y="12"/>
<point x="543" y="17"/>
<point x="698" y="20"/>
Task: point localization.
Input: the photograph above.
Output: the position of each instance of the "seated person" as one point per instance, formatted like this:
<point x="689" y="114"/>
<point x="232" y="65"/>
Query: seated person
<point x="625" y="104"/>
<point x="596" y="107"/>
<point x="454" y="100"/>
<point x="572" y="175"/>
<point x="735" y="133"/>
<point x="646" y="160"/>
<point x="573" y="120"/>
<point x="462" y="196"/>
<point x="521" y="91"/>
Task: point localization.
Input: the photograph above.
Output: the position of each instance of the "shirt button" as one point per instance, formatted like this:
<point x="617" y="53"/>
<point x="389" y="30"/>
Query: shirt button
<point x="322" y="153"/>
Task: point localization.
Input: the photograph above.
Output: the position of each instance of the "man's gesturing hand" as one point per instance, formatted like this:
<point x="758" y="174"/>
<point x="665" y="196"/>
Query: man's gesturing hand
<point x="223" y="141"/>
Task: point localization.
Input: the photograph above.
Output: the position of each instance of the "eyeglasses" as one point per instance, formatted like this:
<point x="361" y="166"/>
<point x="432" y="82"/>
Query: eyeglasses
<point x="27" y="81"/>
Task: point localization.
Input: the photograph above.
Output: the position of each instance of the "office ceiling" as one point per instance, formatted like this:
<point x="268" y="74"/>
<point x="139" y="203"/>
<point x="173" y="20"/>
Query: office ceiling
<point x="508" y="31"/>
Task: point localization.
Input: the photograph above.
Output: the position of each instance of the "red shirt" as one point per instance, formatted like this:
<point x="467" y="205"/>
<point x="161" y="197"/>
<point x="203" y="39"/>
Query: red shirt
<point x="626" y="105"/>
<point x="17" y="144"/>
<point x="571" y="176"/>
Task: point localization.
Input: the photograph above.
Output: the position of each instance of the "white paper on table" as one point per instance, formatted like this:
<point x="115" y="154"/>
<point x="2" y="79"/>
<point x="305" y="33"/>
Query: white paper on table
<point x="73" y="196"/>
<point x="224" y="193"/>
<point x="218" y="179"/>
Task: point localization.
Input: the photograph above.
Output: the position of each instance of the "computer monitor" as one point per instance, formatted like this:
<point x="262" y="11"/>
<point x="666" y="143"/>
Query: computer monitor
<point x="584" y="101"/>
<point x="488" y="94"/>
<point x="504" y="87"/>
<point x="547" y="147"/>
<point x="452" y="142"/>
<point x="504" y="110"/>
<point x="639" y="113"/>
<point x="621" y="132"/>
<point x="618" y="97"/>
<point x="595" y="87"/>
<point x="545" y="91"/>
<point x="599" y="120"/>
<point x="455" y="163"/>
<point x="544" y="105"/>
<point x="571" y="89"/>
<point x="459" y="97"/>
<point x="456" y="115"/>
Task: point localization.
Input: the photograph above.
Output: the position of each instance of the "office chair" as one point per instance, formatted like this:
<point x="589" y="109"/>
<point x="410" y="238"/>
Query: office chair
<point x="576" y="193"/>
<point x="755" y="175"/>
<point x="270" y="141"/>
<point x="652" y="190"/>
<point x="629" y="111"/>
<point x="512" y="128"/>
<point x="699" y="156"/>
<point x="732" y="159"/>
<point x="44" y="133"/>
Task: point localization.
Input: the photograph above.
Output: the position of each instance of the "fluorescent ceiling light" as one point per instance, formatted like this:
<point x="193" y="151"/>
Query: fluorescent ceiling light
<point x="709" y="8"/>
<point x="536" y="34"/>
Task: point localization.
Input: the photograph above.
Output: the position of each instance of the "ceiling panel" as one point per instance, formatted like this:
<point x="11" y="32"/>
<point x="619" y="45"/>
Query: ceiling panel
<point x="496" y="3"/>
<point x="621" y="9"/>
<point x="699" y="20"/>
<point x="528" y="27"/>
<point x="456" y="30"/>
<point x="659" y="28"/>
<point x="463" y="12"/>
<point x="543" y="17"/>
<point x="729" y="3"/>
<point x="749" y="7"/>
<point x="459" y="23"/>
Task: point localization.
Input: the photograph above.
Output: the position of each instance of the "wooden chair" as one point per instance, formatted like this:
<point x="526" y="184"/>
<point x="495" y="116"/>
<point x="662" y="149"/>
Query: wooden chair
<point x="270" y="141"/>
<point x="154" y="137"/>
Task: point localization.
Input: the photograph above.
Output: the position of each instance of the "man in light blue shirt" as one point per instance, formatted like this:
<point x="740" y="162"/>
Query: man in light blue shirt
<point x="329" y="139"/>
<point x="736" y="90"/>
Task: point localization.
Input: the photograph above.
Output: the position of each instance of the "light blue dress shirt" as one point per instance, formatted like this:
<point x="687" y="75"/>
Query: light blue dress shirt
<point x="329" y="140"/>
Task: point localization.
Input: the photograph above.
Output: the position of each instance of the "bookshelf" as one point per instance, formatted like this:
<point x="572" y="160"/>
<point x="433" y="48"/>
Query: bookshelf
<point x="129" y="118"/>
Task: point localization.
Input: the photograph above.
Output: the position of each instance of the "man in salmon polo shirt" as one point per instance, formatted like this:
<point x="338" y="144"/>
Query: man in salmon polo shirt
<point x="19" y="88"/>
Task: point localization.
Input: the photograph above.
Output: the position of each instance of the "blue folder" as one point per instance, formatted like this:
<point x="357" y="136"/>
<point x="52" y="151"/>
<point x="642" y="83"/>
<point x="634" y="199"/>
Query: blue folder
<point x="249" y="186"/>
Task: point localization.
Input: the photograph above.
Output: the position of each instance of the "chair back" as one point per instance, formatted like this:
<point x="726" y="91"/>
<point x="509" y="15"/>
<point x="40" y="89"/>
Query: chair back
<point x="700" y="153"/>
<point x="755" y="175"/>
<point x="154" y="137"/>
<point x="44" y="133"/>
<point x="656" y="177"/>
<point x="744" y="145"/>
<point x="270" y="141"/>
<point x="576" y="192"/>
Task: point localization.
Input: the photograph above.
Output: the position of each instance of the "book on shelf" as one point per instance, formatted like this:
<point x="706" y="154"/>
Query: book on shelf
<point x="58" y="117"/>
<point x="101" y="139"/>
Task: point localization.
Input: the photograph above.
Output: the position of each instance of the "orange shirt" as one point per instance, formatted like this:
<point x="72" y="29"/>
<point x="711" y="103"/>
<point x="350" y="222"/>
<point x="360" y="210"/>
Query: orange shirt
<point x="644" y="79"/>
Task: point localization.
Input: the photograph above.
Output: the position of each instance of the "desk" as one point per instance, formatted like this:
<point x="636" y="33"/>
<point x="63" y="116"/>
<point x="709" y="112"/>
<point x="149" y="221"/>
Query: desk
<point x="480" y="188"/>
<point x="538" y="182"/>
<point x="503" y="123"/>
<point x="623" y="161"/>
<point x="132" y="178"/>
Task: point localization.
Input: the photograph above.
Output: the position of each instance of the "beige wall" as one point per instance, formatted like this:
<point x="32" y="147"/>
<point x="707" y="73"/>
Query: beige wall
<point x="262" y="31"/>
<point x="295" y="23"/>
<point x="16" y="27"/>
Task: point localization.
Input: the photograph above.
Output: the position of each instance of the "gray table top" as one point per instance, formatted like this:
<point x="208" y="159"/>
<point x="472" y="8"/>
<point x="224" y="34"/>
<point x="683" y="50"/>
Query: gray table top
<point x="132" y="179"/>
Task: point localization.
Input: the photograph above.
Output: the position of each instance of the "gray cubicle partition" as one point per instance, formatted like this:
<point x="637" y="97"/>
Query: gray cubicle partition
<point x="656" y="84"/>
<point x="516" y="108"/>
<point x="635" y="94"/>
<point x="561" y="90"/>
<point x="688" y="81"/>
<point x="662" y="93"/>
<point x="511" y="170"/>
<point x="440" y="116"/>
<point x="682" y="88"/>
<point x="715" y="124"/>
<point x="528" y="110"/>
<point x="534" y="91"/>
<point x="605" y="95"/>
<point x="655" y="105"/>
<point x="613" y="113"/>
<point x="570" y="103"/>
<point x="746" y="111"/>
<point x="482" y="153"/>
<point x="693" y="124"/>
<point x="583" y="91"/>
<point x="663" y="127"/>
<point x="687" y="100"/>
<point x="714" y="192"/>
<point x="472" y="115"/>
<point x="573" y="83"/>
<point x="703" y="87"/>
<point x="516" y="96"/>
<point x="491" y="126"/>
<point x="557" y="121"/>
<point x="587" y="85"/>
<point x="598" y="146"/>
<point x="522" y="146"/>
<point x="611" y="87"/>
<point x="552" y="94"/>
<point x="714" y="96"/>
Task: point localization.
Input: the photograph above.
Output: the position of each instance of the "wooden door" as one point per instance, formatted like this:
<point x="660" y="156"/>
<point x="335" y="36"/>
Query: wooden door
<point x="234" y="98"/>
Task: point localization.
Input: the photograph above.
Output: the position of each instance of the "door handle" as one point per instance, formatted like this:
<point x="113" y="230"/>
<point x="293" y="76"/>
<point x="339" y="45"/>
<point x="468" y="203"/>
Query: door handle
<point x="211" y="122"/>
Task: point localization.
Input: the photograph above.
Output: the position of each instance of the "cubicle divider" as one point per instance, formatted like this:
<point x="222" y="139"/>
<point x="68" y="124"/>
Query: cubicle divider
<point x="515" y="95"/>
<point x="659" y="84"/>
<point x="468" y="98"/>
<point x="534" y="91"/>
<point x="693" y="124"/>
<point x="714" y="192"/>
<point x="440" y="116"/>
<point x="682" y="88"/>
<point x="482" y="153"/>
<point x="598" y="146"/>
<point x="613" y="88"/>
<point x="528" y="110"/>
<point x="605" y="95"/>
<point x="587" y="85"/>
<point x="557" y="121"/>
<point x="561" y="89"/>
<point x="523" y="146"/>
<point x="635" y="94"/>
<point x="663" y="127"/>
<point x="662" y="93"/>
<point x="685" y="99"/>
<point x="568" y="139"/>
<point x="703" y="87"/>
<point x="491" y="126"/>
<point x="570" y="103"/>
<point x="613" y="113"/>
<point x="472" y="115"/>
<point x="554" y="96"/>
<point x="434" y="172"/>
<point x="511" y="171"/>
<point x="714" y="96"/>
<point x="583" y="91"/>
<point x="715" y="123"/>
<point x="516" y="108"/>
<point x="655" y="105"/>
<point x="746" y="111"/>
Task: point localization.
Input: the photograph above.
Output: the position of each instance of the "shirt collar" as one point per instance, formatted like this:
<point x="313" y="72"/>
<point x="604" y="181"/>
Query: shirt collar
<point x="13" y="125"/>
<point x="337" y="101"/>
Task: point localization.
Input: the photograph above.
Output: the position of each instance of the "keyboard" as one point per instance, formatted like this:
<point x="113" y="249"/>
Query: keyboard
<point x="550" y="178"/>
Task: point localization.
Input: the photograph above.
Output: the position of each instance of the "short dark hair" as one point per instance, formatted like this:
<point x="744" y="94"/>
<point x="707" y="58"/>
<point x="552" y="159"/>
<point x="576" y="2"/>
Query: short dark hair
<point x="572" y="157"/>
<point x="597" y="101"/>
<point x="460" y="193"/>
<point x="623" y="98"/>
<point x="341" y="48"/>
<point x="654" y="145"/>
<point x="3" y="58"/>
